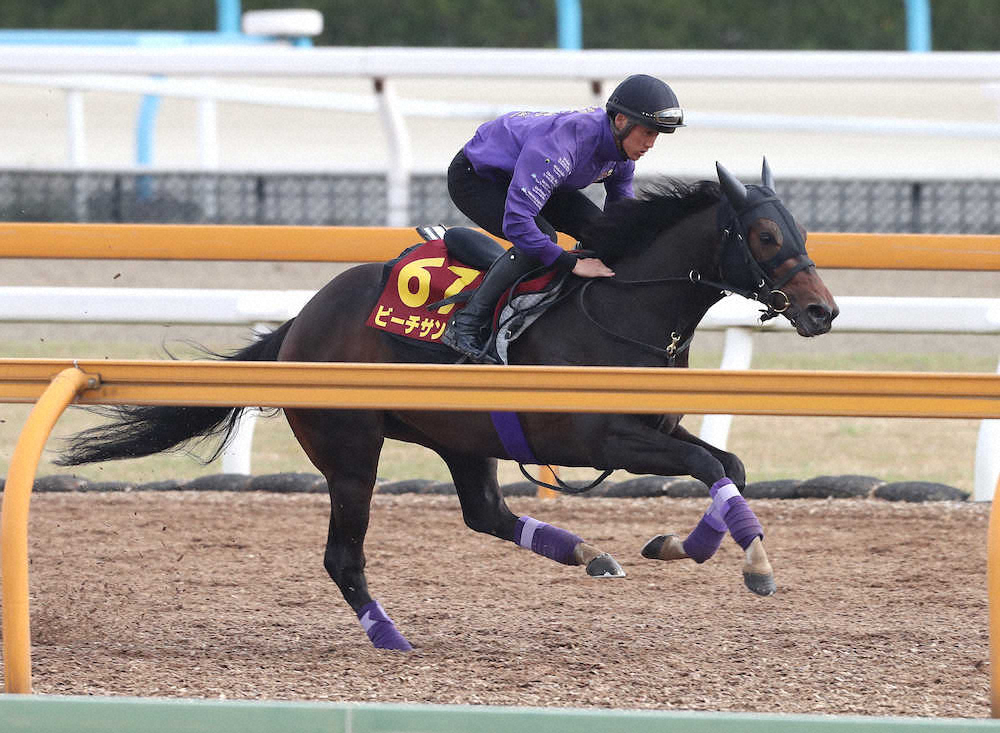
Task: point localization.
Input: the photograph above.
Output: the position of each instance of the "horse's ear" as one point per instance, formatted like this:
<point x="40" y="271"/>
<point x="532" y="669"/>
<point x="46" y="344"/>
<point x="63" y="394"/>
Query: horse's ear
<point x="766" y="177"/>
<point x="735" y="191"/>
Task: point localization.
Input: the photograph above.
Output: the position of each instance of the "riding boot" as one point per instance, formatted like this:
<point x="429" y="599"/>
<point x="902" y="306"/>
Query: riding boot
<point x="468" y="329"/>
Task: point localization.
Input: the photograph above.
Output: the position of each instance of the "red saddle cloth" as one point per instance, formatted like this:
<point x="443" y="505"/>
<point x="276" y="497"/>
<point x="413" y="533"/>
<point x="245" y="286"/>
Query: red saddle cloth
<point x="422" y="276"/>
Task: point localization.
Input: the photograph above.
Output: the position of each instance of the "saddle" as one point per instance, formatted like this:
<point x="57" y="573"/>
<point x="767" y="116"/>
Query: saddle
<point x="432" y="280"/>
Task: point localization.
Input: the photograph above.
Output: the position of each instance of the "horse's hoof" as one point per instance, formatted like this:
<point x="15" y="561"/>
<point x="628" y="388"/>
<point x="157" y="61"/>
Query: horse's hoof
<point x="604" y="566"/>
<point x="757" y="573"/>
<point x="761" y="584"/>
<point x="665" y="547"/>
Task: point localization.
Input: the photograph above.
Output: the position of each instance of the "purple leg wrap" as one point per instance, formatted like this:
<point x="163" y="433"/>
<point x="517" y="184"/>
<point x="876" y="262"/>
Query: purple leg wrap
<point x="551" y="542"/>
<point x="703" y="541"/>
<point x="730" y="511"/>
<point x="742" y="522"/>
<point x="380" y="628"/>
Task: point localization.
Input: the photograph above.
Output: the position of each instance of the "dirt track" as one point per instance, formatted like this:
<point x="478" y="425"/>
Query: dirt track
<point x="881" y="608"/>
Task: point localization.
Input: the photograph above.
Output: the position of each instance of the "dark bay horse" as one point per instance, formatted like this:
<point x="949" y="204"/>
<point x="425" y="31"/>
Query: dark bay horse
<point x="675" y="252"/>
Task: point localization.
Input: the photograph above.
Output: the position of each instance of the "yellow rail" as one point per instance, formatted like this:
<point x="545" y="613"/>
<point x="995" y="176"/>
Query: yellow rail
<point x="14" y="523"/>
<point x="54" y="383"/>
<point x="524" y="388"/>
<point x="377" y="244"/>
<point x="993" y="595"/>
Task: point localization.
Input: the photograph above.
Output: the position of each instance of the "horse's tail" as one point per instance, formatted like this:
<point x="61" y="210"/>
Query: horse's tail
<point x="135" y="431"/>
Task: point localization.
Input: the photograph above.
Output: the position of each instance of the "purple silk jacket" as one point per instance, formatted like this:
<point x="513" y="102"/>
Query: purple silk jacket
<point x="543" y="152"/>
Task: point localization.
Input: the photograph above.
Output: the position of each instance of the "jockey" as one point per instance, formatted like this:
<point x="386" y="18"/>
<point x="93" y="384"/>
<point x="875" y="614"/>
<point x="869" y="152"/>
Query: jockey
<point x="520" y="176"/>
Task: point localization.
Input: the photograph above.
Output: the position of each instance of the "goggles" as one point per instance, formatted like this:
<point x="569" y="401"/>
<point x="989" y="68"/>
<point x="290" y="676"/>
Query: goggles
<point x="673" y="116"/>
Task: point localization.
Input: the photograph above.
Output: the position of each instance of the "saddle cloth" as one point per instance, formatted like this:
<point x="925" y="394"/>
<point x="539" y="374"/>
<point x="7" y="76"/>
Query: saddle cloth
<point x="417" y="281"/>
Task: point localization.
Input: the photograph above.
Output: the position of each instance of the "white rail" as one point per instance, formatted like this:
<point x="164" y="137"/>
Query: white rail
<point x="87" y="68"/>
<point x="737" y="317"/>
<point x="585" y="65"/>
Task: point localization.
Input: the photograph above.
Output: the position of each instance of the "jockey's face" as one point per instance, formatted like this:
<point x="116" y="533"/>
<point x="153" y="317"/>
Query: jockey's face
<point x="639" y="138"/>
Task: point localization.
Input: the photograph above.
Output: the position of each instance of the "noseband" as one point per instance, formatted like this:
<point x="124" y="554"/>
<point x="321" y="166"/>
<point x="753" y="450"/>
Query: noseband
<point x="739" y="271"/>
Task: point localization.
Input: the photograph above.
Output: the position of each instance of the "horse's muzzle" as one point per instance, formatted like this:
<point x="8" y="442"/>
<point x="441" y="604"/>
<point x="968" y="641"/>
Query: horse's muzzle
<point x="815" y="319"/>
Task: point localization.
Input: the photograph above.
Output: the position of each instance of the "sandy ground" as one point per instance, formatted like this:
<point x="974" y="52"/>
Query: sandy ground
<point x="881" y="609"/>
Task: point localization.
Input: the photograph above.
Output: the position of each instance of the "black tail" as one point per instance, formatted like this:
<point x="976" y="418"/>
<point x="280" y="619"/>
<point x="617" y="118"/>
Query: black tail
<point x="136" y="431"/>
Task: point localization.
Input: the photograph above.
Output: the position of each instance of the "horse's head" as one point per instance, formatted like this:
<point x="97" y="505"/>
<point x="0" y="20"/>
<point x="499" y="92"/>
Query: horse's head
<point x="764" y="255"/>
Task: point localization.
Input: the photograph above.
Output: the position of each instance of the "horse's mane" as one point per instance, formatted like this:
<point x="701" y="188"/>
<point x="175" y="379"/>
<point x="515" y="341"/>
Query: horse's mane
<point x="631" y="225"/>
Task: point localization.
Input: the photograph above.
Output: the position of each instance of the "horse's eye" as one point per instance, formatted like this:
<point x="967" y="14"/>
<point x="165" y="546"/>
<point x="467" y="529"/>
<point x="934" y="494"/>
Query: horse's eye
<point x="766" y="238"/>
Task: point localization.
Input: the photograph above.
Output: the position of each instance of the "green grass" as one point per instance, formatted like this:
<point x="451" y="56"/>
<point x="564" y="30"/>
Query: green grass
<point x="771" y="447"/>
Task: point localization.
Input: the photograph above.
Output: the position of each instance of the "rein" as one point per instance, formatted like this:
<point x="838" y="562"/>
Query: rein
<point x="679" y="339"/>
<point x="763" y="290"/>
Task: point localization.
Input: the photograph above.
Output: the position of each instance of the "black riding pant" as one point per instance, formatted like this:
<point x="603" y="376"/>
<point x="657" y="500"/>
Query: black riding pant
<point x="483" y="200"/>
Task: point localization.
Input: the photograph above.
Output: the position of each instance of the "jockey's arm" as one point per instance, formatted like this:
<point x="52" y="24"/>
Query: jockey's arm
<point x="535" y="177"/>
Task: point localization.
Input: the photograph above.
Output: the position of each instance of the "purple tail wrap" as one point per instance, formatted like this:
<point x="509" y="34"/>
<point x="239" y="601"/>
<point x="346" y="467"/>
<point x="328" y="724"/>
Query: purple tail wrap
<point x="380" y="628"/>
<point x="703" y="541"/>
<point x="742" y="522"/>
<point x="551" y="542"/>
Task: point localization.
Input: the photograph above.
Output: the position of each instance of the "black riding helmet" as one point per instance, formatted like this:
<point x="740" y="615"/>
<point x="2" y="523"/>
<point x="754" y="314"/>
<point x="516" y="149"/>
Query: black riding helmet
<point x="646" y="101"/>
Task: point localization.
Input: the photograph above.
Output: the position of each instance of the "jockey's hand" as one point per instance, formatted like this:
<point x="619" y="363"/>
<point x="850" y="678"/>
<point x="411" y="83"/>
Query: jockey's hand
<point x="592" y="267"/>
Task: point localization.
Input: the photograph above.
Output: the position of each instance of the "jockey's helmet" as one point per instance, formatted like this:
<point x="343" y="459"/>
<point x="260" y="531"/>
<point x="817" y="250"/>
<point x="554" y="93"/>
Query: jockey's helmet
<point x="647" y="101"/>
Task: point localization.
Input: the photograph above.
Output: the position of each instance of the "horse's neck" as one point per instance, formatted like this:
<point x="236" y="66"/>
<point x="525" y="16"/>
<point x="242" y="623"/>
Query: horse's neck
<point x="690" y="245"/>
<point x="684" y="252"/>
<point x="634" y="312"/>
<point x="663" y="299"/>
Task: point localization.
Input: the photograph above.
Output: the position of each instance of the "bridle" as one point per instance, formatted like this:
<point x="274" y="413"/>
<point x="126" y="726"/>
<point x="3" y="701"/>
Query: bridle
<point x="739" y="271"/>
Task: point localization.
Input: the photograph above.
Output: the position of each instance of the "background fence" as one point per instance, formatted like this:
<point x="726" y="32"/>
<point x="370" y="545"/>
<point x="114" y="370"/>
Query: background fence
<point x="335" y="199"/>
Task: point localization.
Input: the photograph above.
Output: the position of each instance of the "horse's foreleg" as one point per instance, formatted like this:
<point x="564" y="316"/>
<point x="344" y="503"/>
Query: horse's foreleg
<point x="728" y="511"/>
<point x="679" y="452"/>
<point x="484" y="510"/>
<point x="737" y="516"/>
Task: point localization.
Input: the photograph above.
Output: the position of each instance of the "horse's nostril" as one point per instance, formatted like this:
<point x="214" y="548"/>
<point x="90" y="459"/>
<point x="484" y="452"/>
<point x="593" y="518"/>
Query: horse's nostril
<point x="820" y="313"/>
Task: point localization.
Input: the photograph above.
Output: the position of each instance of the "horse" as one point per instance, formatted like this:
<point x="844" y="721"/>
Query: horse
<point x="676" y="250"/>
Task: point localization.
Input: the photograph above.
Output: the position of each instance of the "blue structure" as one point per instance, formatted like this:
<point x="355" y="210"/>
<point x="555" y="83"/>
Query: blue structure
<point x="569" y="24"/>
<point x="918" y="25"/>
<point x="227" y="16"/>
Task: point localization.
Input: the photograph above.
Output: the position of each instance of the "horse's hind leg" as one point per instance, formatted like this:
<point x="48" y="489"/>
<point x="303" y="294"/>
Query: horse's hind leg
<point x="345" y="447"/>
<point x="484" y="510"/>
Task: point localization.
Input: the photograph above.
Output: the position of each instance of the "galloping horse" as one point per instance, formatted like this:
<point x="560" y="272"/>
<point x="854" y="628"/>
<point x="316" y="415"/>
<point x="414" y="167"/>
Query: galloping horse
<point x="675" y="251"/>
